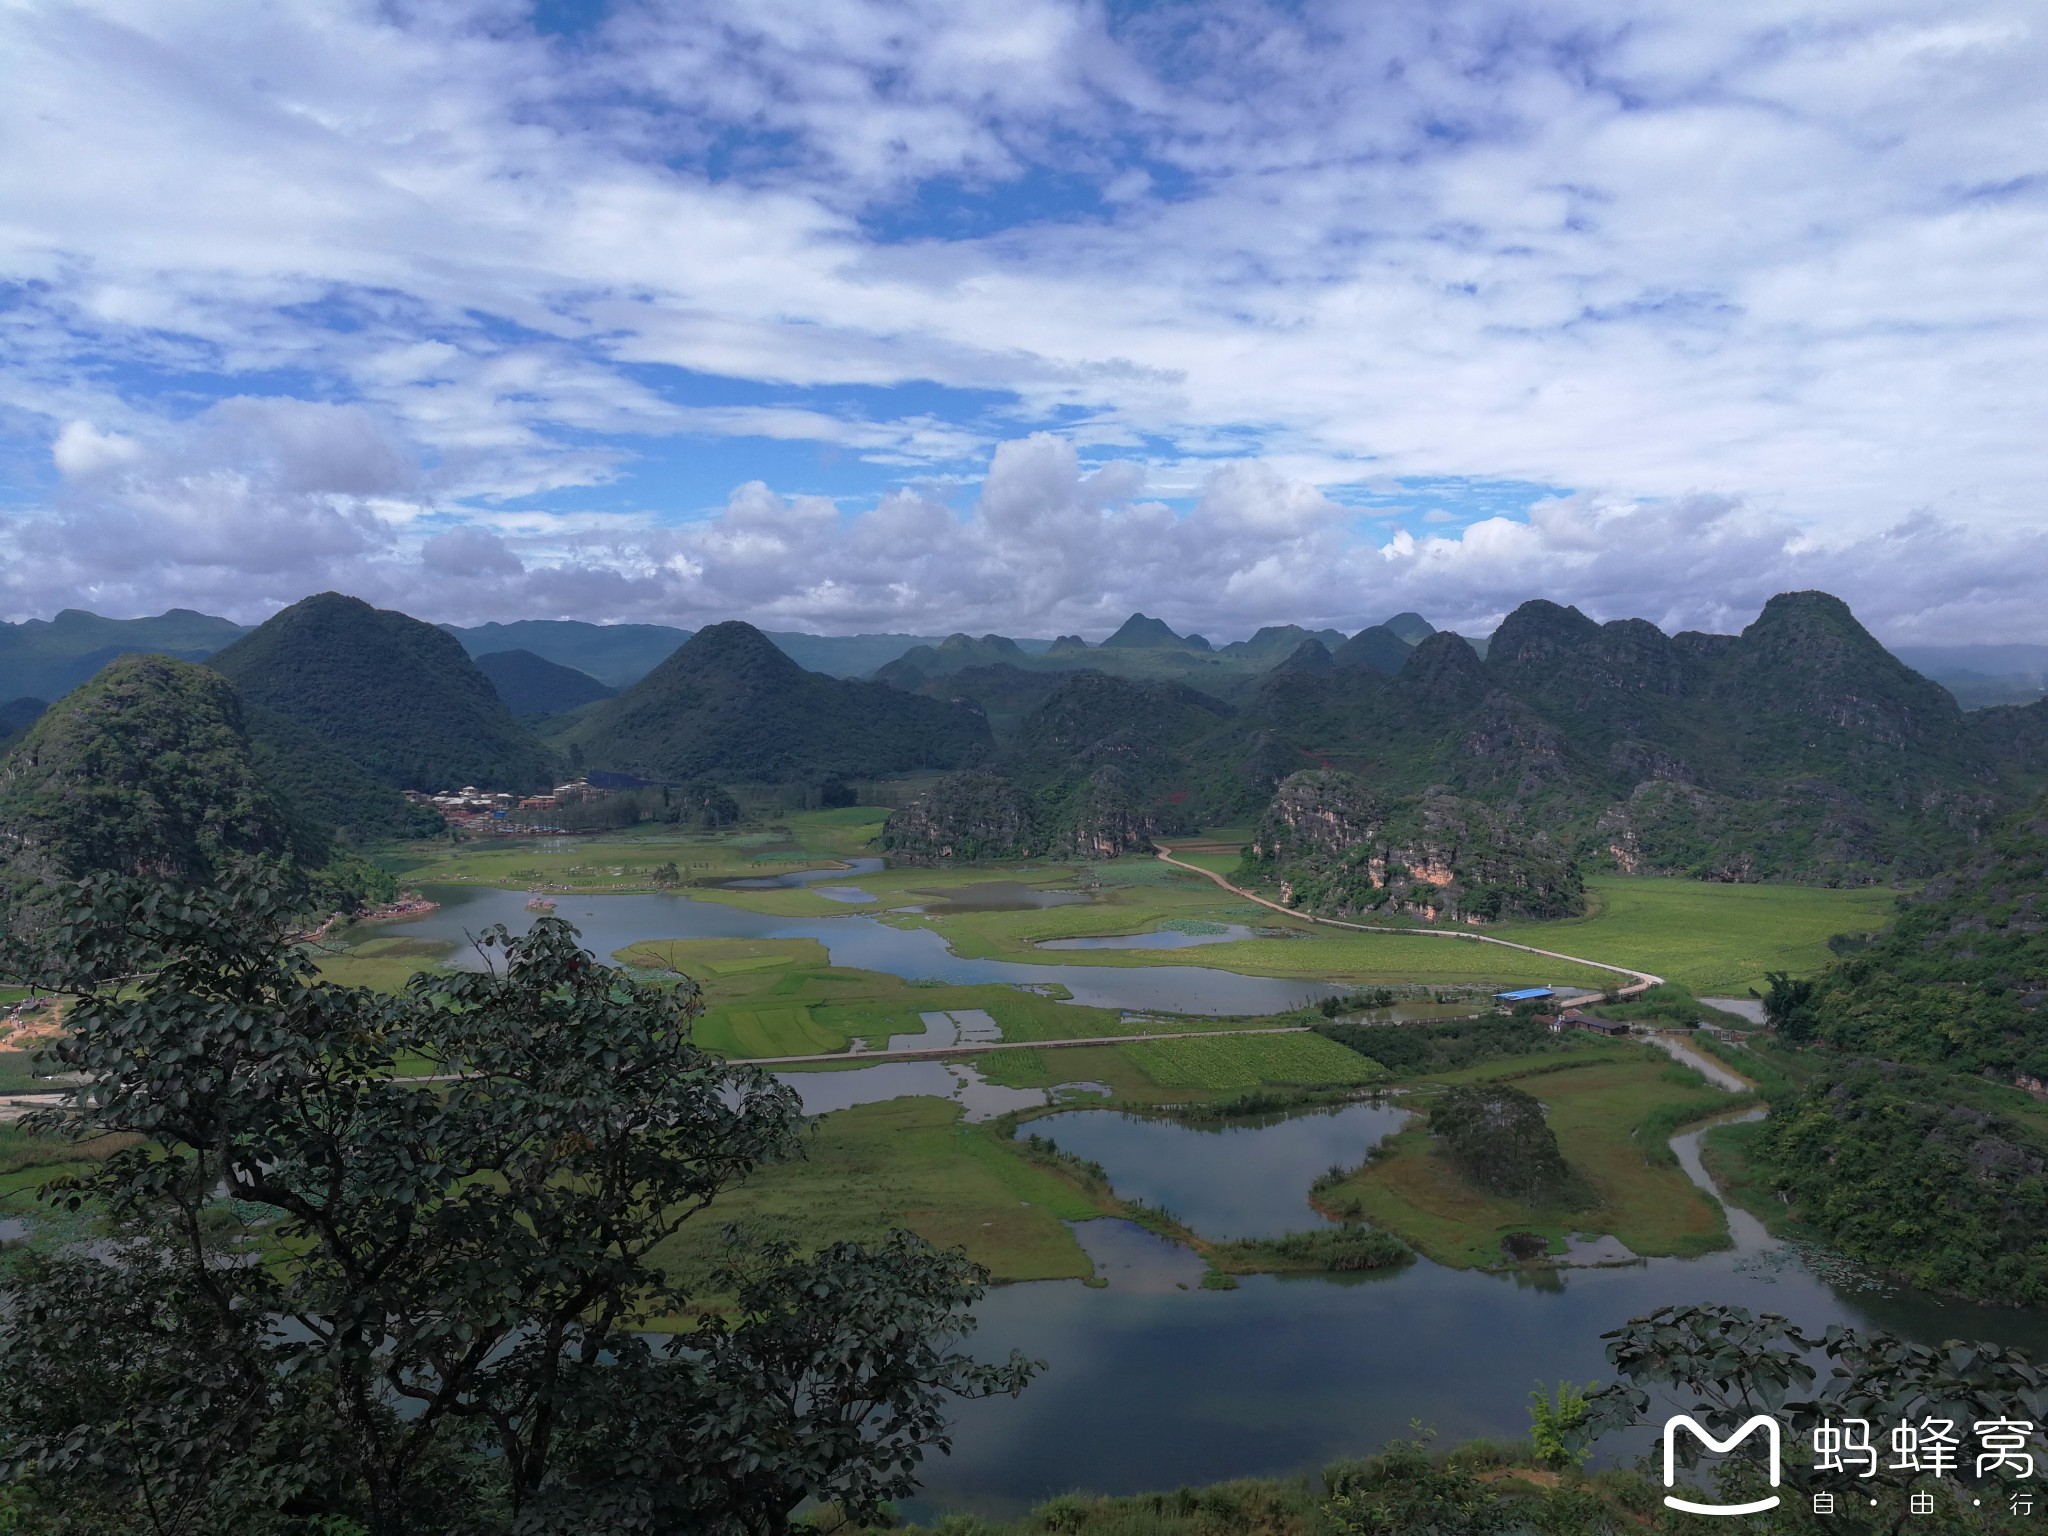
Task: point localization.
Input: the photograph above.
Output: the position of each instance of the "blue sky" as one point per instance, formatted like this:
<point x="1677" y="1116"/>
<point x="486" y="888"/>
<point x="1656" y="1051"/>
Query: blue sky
<point x="891" y="314"/>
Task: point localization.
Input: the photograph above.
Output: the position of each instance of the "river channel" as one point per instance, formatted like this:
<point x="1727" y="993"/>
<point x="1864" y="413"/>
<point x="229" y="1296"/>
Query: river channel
<point x="1152" y="1382"/>
<point x="610" y="922"/>
<point x="1156" y="1383"/>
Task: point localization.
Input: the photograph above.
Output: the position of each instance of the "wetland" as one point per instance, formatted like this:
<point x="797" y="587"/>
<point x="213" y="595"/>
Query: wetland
<point x="1154" y="1378"/>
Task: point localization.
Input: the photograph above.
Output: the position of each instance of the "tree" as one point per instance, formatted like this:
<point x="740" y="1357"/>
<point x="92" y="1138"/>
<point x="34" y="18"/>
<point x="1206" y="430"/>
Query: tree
<point x="1724" y="1364"/>
<point x="1790" y="1007"/>
<point x="349" y="1300"/>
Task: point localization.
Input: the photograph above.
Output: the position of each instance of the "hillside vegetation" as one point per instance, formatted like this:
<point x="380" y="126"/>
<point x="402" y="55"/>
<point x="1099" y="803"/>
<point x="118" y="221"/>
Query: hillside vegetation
<point x="533" y="687"/>
<point x="399" y="697"/>
<point x="148" y="770"/>
<point x="1798" y="750"/>
<point x="1897" y="1149"/>
<point x="1333" y="848"/>
<point x="145" y="770"/>
<point x="729" y="705"/>
<point x="1959" y="979"/>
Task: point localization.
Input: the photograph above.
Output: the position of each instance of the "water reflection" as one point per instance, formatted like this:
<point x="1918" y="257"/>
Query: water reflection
<point x="1162" y="938"/>
<point x="610" y="922"/>
<point x="795" y="879"/>
<point x="1224" y="1179"/>
<point x="845" y="1087"/>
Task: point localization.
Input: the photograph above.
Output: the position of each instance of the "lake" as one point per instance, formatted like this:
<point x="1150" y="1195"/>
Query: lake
<point x="1151" y="1386"/>
<point x="610" y="922"/>
<point x="1239" y="1179"/>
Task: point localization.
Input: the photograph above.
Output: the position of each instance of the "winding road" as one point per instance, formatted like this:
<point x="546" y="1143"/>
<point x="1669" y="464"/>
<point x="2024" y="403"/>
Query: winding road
<point x="1644" y="980"/>
<point x="14" y="1105"/>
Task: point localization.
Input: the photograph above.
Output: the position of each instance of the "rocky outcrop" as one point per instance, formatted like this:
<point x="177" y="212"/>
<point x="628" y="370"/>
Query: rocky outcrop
<point x="962" y="818"/>
<point x="1333" y="847"/>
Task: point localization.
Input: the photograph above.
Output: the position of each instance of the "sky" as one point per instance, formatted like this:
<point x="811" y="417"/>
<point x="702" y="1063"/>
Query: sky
<point x="909" y="316"/>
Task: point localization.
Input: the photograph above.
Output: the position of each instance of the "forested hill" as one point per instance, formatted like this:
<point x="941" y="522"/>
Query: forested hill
<point x="1799" y="749"/>
<point x="730" y="705"/>
<point x="532" y="686"/>
<point x="1330" y="846"/>
<point x="1960" y="978"/>
<point x="399" y="697"/>
<point x="145" y="770"/>
<point x="1919" y="1144"/>
<point x="47" y="658"/>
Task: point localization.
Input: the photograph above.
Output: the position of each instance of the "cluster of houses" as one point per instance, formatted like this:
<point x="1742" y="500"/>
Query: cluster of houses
<point x="1563" y="1019"/>
<point x="489" y="810"/>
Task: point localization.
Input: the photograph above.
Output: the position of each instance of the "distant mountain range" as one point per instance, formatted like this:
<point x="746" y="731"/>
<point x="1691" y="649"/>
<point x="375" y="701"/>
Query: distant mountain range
<point x="1799" y="749"/>
<point x="46" y="658"/>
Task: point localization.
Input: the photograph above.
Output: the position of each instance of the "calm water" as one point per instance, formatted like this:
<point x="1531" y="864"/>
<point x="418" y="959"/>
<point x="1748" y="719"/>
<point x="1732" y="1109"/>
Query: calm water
<point x="797" y="878"/>
<point x="610" y="922"/>
<point x="1241" y="1180"/>
<point x="1153" y="1386"/>
<point x="1150" y="1385"/>
<point x="844" y="1087"/>
<point x="1162" y="938"/>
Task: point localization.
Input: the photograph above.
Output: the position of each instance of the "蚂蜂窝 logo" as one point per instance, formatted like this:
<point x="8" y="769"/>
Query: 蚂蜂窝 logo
<point x="1680" y="1421"/>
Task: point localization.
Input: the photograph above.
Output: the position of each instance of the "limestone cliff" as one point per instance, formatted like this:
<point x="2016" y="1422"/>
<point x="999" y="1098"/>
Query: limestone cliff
<point x="1333" y="847"/>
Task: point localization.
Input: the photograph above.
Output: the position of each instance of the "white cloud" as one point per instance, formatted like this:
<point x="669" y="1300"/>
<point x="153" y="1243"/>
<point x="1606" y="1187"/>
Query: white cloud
<point x="1769" y="275"/>
<point x="1046" y="546"/>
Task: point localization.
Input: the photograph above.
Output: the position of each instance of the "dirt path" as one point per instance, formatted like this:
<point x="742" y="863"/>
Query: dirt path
<point x="1642" y="983"/>
<point x="14" y="1106"/>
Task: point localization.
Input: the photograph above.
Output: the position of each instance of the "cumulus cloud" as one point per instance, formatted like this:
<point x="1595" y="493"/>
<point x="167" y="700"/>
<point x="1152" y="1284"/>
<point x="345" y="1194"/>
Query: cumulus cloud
<point x="1044" y="545"/>
<point x="1761" y="282"/>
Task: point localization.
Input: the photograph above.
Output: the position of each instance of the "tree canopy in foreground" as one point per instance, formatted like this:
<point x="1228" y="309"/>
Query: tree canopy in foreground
<point x="334" y="1300"/>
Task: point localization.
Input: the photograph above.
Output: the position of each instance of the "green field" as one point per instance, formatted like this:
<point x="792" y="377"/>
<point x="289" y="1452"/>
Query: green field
<point x="1251" y="1061"/>
<point x="911" y="1163"/>
<point x="1594" y="1106"/>
<point x="1716" y="939"/>
<point x="383" y="964"/>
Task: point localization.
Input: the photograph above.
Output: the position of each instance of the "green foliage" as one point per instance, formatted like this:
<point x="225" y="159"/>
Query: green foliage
<point x="1410" y="1050"/>
<point x="1789" y="1006"/>
<point x="399" y="697"/>
<point x="329" y="788"/>
<point x="466" y="1270"/>
<point x="145" y="770"/>
<point x="965" y="817"/>
<point x="534" y="687"/>
<point x="1347" y="1249"/>
<point x="1960" y="977"/>
<point x="1932" y="1177"/>
<point x="1724" y="1364"/>
<point x="1343" y="852"/>
<point x="729" y="705"/>
<point x="1497" y="1137"/>
<point x="700" y="804"/>
<point x="1557" y="1424"/>
<point x="1406" y="1491"/>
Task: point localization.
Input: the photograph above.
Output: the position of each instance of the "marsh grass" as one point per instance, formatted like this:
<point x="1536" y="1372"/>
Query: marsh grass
<point x="1714" y="939"/>
<point x="1594" y="1101"/>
